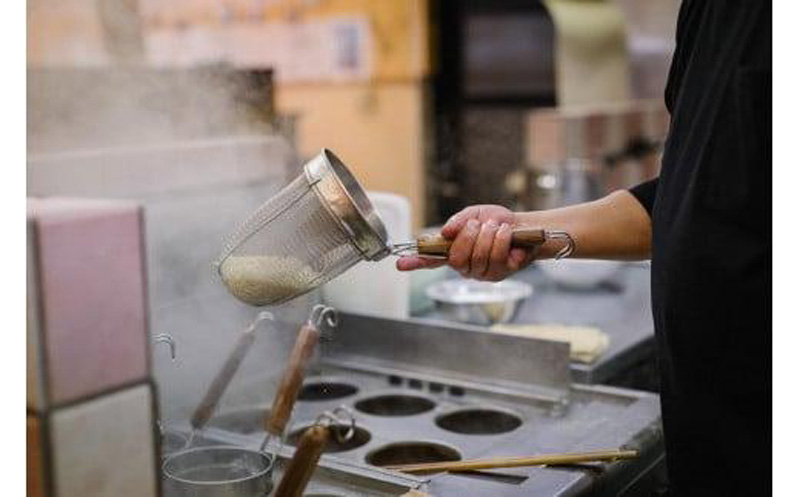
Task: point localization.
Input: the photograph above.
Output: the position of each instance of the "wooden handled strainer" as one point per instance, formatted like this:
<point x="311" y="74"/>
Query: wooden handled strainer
<point x="314" y="229"/>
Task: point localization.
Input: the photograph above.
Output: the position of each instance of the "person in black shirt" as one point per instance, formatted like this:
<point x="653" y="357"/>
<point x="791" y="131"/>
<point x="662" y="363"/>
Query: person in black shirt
<point x="705" y="223"/>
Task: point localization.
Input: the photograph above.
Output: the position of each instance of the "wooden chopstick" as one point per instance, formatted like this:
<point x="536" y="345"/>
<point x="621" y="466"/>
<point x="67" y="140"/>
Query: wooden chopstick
<point x="514" y="462"/>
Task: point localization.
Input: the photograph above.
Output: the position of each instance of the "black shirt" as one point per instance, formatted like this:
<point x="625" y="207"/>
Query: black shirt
<point x="711" y="260"/>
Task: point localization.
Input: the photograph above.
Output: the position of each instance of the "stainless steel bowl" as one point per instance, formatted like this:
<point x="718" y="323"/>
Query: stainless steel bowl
<point x="479" y="302"/>
<point x="580" y="274"/>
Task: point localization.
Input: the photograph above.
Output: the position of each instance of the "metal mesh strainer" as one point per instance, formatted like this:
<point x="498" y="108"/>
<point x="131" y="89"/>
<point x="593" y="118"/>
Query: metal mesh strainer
<point x="317" y="227"/>
<point x="314" y="229"/>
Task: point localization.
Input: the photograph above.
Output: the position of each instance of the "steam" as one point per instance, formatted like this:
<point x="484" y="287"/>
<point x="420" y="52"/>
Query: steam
<point x="107" y="107"/>
<point x="73" y="105"/>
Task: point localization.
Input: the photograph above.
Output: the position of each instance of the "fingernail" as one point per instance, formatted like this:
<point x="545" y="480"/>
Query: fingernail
<point x="472" y="225"/>
<point x="504" y="226"/>
<point x="492" y="224"/>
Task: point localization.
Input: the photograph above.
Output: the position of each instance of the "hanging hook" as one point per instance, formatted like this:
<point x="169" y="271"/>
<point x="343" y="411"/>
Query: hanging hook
<point x="568" y="249"/>
<point x="263" y="315"/>
<point x="339" y="417"/>
<point x="325" y="313"/>
<point x="166" y="338"/>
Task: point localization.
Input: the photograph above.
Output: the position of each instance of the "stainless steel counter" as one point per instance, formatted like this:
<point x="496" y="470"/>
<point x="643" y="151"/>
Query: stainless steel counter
<point x="596" y="418"/>
<point x="620" y="307"/>
<point x="504" y="395"/>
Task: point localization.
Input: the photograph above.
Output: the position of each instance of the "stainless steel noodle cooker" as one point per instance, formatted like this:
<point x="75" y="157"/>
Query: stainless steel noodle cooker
<point x="317" y="227"/>
<point x="239" y="471"/>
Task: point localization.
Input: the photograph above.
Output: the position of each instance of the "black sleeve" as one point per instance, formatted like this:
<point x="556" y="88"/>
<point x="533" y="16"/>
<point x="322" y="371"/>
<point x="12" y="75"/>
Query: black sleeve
<point x="645" y="193"/>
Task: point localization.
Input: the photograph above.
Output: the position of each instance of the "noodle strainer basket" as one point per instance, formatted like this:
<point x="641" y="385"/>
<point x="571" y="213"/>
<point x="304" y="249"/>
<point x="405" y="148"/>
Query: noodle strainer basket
<point x="317" y="227"/>
<point x="314" y="229"/>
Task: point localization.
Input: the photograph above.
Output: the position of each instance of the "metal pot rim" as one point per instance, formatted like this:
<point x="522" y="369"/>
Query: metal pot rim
<point x="260" y="474"/>
<point x="347" y="202"/>
<point x="455" y="291"/>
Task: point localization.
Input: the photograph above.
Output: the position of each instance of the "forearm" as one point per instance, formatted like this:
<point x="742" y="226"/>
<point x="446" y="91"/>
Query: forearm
<point x="613" y="227"/>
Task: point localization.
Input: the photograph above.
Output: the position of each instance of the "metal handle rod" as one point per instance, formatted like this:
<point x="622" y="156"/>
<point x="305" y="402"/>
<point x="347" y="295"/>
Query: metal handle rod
<point x="208" y="405"/>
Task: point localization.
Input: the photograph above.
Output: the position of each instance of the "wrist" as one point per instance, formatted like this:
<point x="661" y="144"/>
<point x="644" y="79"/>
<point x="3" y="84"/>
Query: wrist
<point x="540" y="219"/>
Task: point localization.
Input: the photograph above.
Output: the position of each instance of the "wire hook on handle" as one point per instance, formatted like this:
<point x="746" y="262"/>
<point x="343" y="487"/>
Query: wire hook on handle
<point x="338" y="417"/>
<point x="166" y="338"/>
<point x="568" y="249"/>
<point x="323" y="313"/>
<point x="262" y="316"/>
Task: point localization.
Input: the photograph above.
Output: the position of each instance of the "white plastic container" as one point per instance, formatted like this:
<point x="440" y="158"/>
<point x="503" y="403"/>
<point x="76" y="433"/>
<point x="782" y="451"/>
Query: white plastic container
<point x="377" y="288"/>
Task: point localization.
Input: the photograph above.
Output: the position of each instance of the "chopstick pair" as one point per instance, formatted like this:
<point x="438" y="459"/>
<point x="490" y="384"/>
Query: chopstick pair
<point x="515" y="462"/>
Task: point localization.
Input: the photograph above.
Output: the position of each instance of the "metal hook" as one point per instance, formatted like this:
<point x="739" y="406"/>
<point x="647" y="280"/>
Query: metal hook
<point x="567" y="250"/>
<point x="325" y="313"/>
<point x="166" y="338"/>
<point x="260" y="317"/>
<point x="347" y="418"/>
<point x="333" y="418"/>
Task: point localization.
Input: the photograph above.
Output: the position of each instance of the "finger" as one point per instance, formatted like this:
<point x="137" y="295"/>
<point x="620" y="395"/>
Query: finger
<point x="530" y="255"/>
<point x="413" y="262"/>
<point x="456" y="223"/>
<point x="526" y="256"/>
<point x="500" y="252"/>
<point x="483" y="247"/>
<point x="461" y="249"/>
<point x="516" y="259"/>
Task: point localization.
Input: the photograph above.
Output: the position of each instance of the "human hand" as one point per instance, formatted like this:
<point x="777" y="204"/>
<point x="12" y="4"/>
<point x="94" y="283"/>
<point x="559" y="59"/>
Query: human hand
<point x="481" y="248"/>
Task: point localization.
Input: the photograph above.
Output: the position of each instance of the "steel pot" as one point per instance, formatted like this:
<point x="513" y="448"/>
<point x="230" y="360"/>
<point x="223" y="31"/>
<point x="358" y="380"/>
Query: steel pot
<point x="218" y="471"/>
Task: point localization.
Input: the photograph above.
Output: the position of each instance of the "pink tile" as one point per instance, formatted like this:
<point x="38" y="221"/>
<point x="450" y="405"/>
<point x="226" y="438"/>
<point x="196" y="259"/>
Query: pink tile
<point x="91" y="295"/>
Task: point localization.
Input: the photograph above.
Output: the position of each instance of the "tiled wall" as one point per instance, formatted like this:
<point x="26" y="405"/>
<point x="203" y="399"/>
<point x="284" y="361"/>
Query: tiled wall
<point x="91" y="416"/>
<point x="192" y="195"/>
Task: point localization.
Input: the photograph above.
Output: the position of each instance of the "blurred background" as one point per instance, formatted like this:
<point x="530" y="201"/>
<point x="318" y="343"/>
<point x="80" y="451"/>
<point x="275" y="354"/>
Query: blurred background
<point x="434" y="100"/>
<point x="196" y="111"/>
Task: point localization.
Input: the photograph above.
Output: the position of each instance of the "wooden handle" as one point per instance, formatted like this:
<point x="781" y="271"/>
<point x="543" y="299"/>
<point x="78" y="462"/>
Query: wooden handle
<point x="514" y="462"/>
<point x="292" y="379"/>
<point x="520" y="237"/>
<point x="306" y="456"/>
<point x="208" y="405"/>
